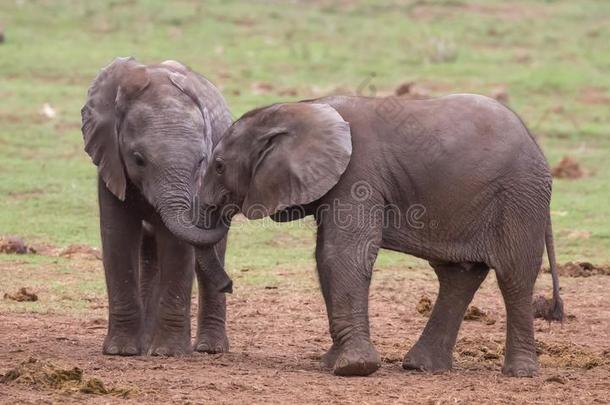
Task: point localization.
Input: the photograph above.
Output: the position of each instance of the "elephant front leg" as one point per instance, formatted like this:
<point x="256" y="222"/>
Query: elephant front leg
<point x="150" y="284"/>
<point x="434" y="349"/>
<point x="172" y="334"/>
<point x="211" y="319"/>
<point x="345" y="275"/>
<point x="120" y="234"/>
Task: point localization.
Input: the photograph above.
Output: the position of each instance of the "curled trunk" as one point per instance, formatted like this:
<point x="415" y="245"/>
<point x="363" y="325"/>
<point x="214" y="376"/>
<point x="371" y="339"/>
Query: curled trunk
<point x="179" y="219"/>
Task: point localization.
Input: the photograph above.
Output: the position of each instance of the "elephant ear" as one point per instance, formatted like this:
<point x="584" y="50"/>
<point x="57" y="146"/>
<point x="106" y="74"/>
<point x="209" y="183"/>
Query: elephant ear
<point x="301" y="158"/>
<point x="109" y="94"/>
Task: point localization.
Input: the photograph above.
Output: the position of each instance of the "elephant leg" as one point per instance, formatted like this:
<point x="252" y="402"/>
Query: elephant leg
<point x="517" y="289"/>
<point x="150" y="284"/>
<point x="172" y="334"/>
<point x="345" y="263"/>
<point x="458" y="284"/>
<point x="120" y="233"/>
<point x="211" y="329"/>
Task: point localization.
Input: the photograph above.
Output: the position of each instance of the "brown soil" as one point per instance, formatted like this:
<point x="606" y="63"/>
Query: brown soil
<point x="568" y="168"/>
<point x="22" y="295"/>
<point x="278" y="335"/>
<point x="80" y="250"/>
<point x="595" y="95"/>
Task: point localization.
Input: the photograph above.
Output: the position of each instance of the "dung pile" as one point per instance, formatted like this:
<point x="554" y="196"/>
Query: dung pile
<point x="479" y="350"/>
<point x="21" y="295"/>
<point x="568" y="168"/>
<point x="474" y="313"/>
<point x="14" y="244"/>
<point x="569" y="355"/>
<point x="38" y="374"/>
<point x="424" y="305"/>
<point x="469" y="351"/>
<point x="581" y="269"/>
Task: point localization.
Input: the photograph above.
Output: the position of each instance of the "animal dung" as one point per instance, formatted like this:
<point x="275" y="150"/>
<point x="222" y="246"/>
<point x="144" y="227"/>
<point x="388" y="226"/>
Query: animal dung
<point x="567" y="168"/>
<point x="23" y="295"/>
<point x="424" y="306"/>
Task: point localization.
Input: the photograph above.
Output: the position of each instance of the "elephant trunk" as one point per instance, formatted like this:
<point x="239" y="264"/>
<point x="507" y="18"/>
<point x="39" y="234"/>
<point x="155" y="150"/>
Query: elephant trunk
<point x="177" y="215"/>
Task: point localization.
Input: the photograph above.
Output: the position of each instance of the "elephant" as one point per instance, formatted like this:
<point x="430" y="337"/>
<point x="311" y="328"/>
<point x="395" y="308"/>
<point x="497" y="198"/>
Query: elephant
<point x="150" y="130"/>
<point x="458" y="181"/>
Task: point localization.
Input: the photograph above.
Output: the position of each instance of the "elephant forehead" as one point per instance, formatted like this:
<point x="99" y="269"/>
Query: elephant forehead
<point x="163" y="113"/>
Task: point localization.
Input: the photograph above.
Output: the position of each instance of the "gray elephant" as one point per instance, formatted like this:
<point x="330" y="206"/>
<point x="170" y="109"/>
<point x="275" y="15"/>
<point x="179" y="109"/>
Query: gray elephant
<point x="458" y="181"/>
<point x="150" y="131"/>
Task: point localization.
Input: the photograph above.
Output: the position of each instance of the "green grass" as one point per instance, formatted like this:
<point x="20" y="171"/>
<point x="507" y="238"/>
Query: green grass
<point x="551" y="56"/>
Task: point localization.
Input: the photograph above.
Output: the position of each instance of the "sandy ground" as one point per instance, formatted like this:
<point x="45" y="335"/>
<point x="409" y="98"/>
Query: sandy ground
<point x="278" y="335"/>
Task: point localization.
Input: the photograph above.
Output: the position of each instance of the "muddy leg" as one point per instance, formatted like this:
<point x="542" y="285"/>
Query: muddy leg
<point x="458" y="283"/>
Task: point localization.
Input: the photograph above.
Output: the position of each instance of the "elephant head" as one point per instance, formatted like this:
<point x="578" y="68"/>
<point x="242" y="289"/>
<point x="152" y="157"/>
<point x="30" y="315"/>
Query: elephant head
<point x="154" y="127"/>
<point x="276" y="158"/>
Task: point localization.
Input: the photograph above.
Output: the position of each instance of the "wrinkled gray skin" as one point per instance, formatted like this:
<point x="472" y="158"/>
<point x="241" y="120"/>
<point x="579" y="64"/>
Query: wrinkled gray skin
<point x="457" y="181"/>
<point x="150" y="130"/>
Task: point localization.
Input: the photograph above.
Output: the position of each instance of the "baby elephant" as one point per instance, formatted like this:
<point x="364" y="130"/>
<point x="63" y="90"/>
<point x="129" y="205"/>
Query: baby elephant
<point x="458" y="181"/>
<point x="150" y="129"/>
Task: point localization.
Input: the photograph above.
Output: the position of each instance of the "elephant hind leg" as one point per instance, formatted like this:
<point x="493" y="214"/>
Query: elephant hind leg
<point x="458" y="284"/>
<point x="517" y="286"/>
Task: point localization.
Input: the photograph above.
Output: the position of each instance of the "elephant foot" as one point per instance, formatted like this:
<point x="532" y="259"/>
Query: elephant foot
<point x="421" y="358"/>
<point x="353" y="358"/>
<point x="212" y="343"/>
<point x="169" y="348"/>
<point x="166" y="343"/>
<point x="121" y="345"/>
<point x="520" y="366"/>
<point x="329" y="358"/>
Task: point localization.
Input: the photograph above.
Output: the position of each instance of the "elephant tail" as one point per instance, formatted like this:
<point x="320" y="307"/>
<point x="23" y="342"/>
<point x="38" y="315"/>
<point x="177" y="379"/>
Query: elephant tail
<point x="553" y="310"/>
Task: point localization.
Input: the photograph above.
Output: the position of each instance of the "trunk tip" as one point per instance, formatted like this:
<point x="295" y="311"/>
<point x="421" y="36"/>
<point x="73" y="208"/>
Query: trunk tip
<point x="228" y="287"/>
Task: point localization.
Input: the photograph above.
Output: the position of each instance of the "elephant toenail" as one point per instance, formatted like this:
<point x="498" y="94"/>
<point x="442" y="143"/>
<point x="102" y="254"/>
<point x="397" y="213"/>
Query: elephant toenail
<point x="161" y="351"/>
<point x="113" y="350"/>
<point x="131" y="350"/>
<point x="342" y="362"/>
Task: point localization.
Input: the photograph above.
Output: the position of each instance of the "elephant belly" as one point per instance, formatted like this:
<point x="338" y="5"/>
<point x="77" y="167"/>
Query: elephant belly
<point x="433" y="249"/>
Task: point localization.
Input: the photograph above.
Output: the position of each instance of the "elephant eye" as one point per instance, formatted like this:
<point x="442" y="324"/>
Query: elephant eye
<point x="139" y="159"/>
<point x="219" y="166"/>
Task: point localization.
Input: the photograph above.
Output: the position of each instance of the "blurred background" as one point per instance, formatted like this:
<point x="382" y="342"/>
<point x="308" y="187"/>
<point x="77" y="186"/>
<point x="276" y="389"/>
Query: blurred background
<point x="548" y="60"/>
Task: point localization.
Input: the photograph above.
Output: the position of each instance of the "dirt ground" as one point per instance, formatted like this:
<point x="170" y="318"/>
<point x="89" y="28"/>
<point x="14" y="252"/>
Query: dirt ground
<point x="278" y="335"/>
